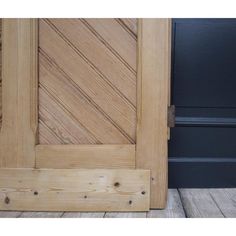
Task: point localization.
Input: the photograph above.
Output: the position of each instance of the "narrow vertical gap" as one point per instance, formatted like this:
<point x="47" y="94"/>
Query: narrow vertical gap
<point x="182" y="202"/>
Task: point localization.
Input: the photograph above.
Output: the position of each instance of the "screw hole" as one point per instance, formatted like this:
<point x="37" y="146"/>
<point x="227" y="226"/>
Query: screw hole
<point x="36" y="193"/>
<point x="116" y="184"/>
<point x="85" y="196"/>
<point x="130" y="202"/>
<point x="143" y="192"/>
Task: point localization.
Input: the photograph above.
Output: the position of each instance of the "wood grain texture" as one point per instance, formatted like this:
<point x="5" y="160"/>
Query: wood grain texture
<point x="225" y="199"/>
<point x="10" y="214"/>
<point x="130" y="24"/>
<point x="85" y="156"/>
<point x="126" y="215"/>
<point x="89" y="95"/>
<point x="198" y="203"/>
<point x="152" y="104"/>
<point x="41" y="214"/>
<point x="174" y="208"/>
<point x="74" y="190"/>
<point x="83" y="215"/>
<point x="19" y="93"/>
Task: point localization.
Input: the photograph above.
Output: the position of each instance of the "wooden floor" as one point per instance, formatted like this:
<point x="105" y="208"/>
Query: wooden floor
<point x="182" y="203"/>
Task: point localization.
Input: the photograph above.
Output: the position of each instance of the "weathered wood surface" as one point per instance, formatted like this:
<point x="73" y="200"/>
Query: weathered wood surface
<point x="126" y="215"/>
<point x="174" y="208"/>
<point x="74" y="189"/>
<point x="225" y="200"/>
<point x="89" y="95"/>
<point x="152" y="104"/>
<point x="199" y="203"/>
<point x="85" y="156"/>
<point x="33" y="214"/>
<point x="83" y="215"/>
<point x="10" y="214"/>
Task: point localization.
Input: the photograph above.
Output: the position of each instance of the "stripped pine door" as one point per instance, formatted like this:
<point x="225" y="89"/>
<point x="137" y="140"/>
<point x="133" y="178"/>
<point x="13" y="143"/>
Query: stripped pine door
<point x="88" y="107"/>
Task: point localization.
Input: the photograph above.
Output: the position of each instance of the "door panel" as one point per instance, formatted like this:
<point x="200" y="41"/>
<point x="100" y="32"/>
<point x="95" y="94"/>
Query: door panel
<point x="87" y="81"/>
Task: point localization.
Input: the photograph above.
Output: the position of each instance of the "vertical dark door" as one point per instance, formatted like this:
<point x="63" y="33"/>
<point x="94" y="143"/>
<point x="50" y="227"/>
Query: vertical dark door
<point x="202" y="148"/>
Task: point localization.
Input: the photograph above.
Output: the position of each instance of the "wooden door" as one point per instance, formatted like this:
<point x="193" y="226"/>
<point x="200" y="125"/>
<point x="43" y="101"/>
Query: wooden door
<point x="84" y="114"/>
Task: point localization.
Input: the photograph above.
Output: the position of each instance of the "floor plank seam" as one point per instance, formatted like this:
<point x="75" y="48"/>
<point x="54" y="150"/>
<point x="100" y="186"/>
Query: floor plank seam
<point x="19" y="216"/>
<point x="182" y="202"/>
<point x="213" y="199"/>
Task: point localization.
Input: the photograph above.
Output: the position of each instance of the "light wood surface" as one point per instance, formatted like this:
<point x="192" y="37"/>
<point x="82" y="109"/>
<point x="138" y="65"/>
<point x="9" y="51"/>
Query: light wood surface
<point x="19" y="93"/>
<point x="89" y="95"/>
<point x="152" y="104"/>
<point x="199" y="204"/>
<point x="224" y="199"/>
<point x="74" y="190"/>
<point x="85" y="156"/>
<point x="130" y="25"/>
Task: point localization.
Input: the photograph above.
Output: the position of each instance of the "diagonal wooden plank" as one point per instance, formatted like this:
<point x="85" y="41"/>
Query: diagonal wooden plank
<point x="198" y="203"/>
<point x="225" y="200"/>
<point x="121" y="113"/>
<point x="61" y="121"/>
<point x="72" y="99"/>
<point x="47" y="136"/>
<point x="116" y="38"/>
<point x="99" y="56"/>
<point x="131" y="24"/>
<point x="83" y="215"/>
<point x="174" y="208"/>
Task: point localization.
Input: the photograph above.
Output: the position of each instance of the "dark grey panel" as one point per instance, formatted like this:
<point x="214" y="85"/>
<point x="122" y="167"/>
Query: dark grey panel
<point x="203" y="142"/>
<point x="204" y="58"/>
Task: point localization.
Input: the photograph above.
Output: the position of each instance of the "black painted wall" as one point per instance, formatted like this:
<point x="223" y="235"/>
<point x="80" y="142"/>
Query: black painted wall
<point x="202" y="149"/>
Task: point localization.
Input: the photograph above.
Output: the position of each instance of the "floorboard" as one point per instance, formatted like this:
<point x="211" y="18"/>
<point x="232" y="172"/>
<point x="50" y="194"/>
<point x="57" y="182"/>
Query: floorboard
<point x="198" y="203"/>
<point x="225" y="200"/>
<point x="126" y="215"/>
<point x="40" y="214"/>
<point x="83" y="215"/>
<point x="10" y="214"/>
<point x="174" y="208"/>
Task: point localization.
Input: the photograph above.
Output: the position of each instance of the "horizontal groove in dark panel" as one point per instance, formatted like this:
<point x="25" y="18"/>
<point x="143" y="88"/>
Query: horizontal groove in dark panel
<point x="205" y="121"/>
<point x="201" y="159"/>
